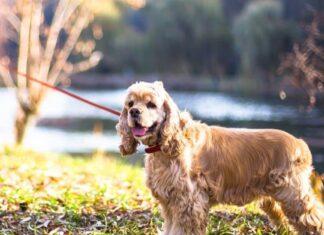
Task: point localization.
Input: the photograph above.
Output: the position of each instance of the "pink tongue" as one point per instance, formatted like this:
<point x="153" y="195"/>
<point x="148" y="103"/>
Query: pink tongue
<point x="139" y="131"/>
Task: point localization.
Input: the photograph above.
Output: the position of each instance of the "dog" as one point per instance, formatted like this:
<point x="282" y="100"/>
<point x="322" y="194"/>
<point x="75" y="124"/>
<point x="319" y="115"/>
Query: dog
<point x="198" y="166"/>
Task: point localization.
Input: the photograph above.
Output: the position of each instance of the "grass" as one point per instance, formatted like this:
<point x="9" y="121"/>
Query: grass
<point x="61" y="194"/>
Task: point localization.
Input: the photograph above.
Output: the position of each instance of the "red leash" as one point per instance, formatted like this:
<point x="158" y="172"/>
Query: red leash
<point x="67" y="93"/>
<point x="151" y="149"/>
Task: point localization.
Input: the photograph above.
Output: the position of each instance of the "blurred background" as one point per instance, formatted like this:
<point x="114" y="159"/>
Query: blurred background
<point x="235" y="63"/>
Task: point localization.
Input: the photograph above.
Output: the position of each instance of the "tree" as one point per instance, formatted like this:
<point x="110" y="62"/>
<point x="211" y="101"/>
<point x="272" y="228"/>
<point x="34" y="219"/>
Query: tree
<point x="193" y="33"/>
<point x="45" y="34"/>
<point x="261" y="36"/>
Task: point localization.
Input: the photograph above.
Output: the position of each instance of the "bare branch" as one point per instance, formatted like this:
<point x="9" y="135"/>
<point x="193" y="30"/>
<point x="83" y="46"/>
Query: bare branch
<point x="304" y="67"/>
<point x="10" y="16"/>
<point x="84" y="65"/>
<point x="35" y="45"/>
<point x="63" y="12"/>
<point x="315" y="49"/>
<point x="23" y="46"/>
<point x="73" y="37"/>
<point x="6" y="77"/>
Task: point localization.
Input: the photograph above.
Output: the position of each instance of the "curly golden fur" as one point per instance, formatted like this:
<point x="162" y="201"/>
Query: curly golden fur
<point x="200" y="165"/>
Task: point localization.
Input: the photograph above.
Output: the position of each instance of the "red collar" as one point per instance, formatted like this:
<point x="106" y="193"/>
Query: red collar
<point x="153" y="149"/>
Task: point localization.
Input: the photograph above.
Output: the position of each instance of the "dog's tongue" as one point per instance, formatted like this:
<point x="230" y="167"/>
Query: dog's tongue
<point x="139" y="131"/>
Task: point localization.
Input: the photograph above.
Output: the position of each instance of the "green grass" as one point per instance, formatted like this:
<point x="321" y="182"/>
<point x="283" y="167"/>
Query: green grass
<point x="61" y="194"/>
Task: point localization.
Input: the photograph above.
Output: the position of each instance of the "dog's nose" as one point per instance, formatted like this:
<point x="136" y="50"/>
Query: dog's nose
<point x="134" y="113"/>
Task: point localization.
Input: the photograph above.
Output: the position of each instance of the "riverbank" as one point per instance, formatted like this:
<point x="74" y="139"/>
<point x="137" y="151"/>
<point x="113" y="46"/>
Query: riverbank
<point x="173" y="82"/>
<point x="95" y="194"/>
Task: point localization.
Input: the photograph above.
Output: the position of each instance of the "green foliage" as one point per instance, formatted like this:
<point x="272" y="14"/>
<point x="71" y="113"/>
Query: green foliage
<point x="172" y="36"/>
<point x="261" y="36"/>
<point x="193" y="37"/>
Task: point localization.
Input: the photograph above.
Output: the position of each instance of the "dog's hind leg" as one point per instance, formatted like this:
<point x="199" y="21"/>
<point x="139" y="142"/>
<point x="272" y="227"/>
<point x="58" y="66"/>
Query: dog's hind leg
<point x="274" y="211"/>
<point x="305" y="214"/>
<point x="300" y="205"/>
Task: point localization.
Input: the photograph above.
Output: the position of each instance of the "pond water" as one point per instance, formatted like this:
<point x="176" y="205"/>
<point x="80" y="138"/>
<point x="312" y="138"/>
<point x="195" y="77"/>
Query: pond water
<point x="67" y="126"/>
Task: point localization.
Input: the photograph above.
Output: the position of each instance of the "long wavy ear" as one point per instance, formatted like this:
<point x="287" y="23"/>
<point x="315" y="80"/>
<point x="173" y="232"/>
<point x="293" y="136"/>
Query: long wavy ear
<point x="128" y="142"/>
<point x="172" y="142"/>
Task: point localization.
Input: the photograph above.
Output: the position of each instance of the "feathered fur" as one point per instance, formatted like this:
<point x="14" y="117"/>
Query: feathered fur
<point x="200" y="165"/>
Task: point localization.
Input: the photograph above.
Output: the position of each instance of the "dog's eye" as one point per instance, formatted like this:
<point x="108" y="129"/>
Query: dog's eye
<point x="130" y="104"/>
<point x="151" y="105"/>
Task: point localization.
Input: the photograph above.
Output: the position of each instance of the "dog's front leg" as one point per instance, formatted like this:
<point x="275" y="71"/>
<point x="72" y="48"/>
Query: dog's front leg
<point x="189" y="224"/>
<point x="189" y="217"/>
<point x="167" y="216"/>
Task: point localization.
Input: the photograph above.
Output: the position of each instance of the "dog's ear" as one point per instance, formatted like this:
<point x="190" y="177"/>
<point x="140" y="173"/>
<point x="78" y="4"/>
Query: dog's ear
<point x="171" y="134"/>
<point x="128" y="142"/>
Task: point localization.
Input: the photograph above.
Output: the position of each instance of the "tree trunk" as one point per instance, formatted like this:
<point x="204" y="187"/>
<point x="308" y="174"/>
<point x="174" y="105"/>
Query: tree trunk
<point x="24" y="118"/>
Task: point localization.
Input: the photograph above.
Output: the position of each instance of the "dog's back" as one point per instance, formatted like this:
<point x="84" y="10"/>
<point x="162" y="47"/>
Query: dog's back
<point x="246" y="163"/>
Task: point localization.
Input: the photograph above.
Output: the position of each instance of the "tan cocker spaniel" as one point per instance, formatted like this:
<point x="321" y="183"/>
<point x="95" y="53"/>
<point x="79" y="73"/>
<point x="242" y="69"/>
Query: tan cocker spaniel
<point x="198" y="165"/>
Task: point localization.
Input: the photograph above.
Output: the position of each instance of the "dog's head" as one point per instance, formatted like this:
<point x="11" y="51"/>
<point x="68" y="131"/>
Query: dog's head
<point x="151" y="117"/>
